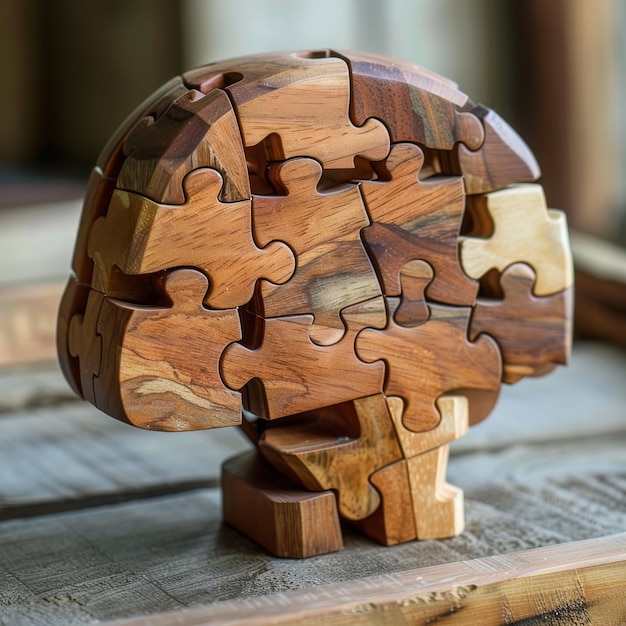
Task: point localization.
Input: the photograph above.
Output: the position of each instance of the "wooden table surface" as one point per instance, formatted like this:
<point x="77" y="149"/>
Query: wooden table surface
<point x="101" y="522"/>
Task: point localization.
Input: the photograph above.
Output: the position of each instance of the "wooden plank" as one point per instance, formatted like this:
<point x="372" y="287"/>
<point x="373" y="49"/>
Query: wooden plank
<point x="581" y="582"/>
<point x="170" y="553"/>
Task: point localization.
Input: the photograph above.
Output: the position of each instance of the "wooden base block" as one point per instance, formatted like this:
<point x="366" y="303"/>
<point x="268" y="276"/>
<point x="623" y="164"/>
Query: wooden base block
<point x="287" y="521"/>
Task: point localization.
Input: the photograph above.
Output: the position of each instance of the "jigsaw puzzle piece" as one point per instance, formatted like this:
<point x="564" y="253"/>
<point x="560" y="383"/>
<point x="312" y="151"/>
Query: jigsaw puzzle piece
<point x="525" y="231"/>
<point x="286" y="520"/>
<point x="414" y="278"/>
<point x="141" y="236"/>
<point x="430" y="360"/>
<point x="333" y="270"/>
<point x="196" y="130"/>
<point x="85" y="344"/>
<point x="293" y="375"/>
<point x="162" y="363"/>
<point x="297" y="104"/>
<point x="393" y="521"/>
<point x="416" y="105"/>
<point x="422" y="218"/>
<point x="320" y="456"/>
<point x="501" y="160"/>
<point x="532" y="332"/>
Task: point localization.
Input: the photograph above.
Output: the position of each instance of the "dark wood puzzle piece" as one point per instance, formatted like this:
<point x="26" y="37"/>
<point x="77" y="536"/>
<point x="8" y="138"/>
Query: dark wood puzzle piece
<point x="430" y="214"/>
<point x="141" y="236"/>
<point x="532" y="332"/>
<point x="333" y="270"/>
<point x="414" y="278"/>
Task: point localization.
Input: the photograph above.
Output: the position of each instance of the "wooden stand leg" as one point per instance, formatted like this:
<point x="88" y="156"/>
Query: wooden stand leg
<point x="287" y="521"/>
<point x="437" y="505"/>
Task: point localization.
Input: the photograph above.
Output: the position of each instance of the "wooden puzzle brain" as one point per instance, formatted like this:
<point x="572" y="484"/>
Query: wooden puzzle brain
<point x="338" y="243"/>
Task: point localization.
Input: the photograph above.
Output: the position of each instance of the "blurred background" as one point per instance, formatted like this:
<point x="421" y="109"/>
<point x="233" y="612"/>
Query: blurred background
<point x="72" y="70"/>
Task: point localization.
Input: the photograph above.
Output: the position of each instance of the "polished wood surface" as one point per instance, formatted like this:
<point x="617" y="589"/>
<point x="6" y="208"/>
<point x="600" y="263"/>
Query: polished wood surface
<point x="334" y="245"/>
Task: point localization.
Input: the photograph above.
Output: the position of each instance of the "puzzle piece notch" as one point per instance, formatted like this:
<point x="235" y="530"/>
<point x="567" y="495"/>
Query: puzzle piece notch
<point x="297" y="375"/>
<point x="412" y="309"/>
<point x="525" y="231"/>
<point x="164" y="362"/>
<point x="141" y="236"/>
<point x="333" y="270"/>
<point x="321" y="459"/>
<point x="85" y="343"/>
<point x="418" y="220"/>
<point x="305" y="100"/>
<point x="195" y="131"/>
<point x="533" y="332"/>
<point x="417" y="105"/>
<point x="430" y="360"/>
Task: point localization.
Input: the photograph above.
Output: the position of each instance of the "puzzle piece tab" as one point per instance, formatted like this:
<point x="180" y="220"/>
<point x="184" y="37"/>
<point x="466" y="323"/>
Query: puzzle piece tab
<point x="195" y="131"/>
<point x="525" y="231"/>
<point x="421" y="218"/>
<point x="141" y="236"/>
<point x="333" y="270"/>
<point x="430" y="360"/>
<point x="166" y="364"/>
<point x="414" y="278"/>
<point x="532" y="332"/>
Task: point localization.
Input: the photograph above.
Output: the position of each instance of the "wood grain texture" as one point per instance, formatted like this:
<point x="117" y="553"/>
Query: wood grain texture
<point x="196" y="130"/>
<point x="297" y="375"/>
<point x="333" y="270"/>
<point x="303" y="102"/>
<point x="414" y="278"/>
<point x="140" y="236"/>
<point x="321" y="457"/>
<point x="532" y="332"/>
<point x="430" y="213"/>
<point x="435" y="353"/>
<point x="417" y="105"/>
<point x="524" y="231"/>
<point x="287" y="521"/>
<point x="166" y="360"/>
<point x="580" y="582"/>
<point x="502" y="159"/>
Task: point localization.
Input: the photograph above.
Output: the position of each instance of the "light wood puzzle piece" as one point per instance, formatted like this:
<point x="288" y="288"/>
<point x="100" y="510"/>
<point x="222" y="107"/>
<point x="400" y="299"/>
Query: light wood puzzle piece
<point x="430" y="360"/>
<point x="297" y="375"/>
<point x="286" y="520"/>
<point x="141" y="236"/>
<point x="417" y="105"/>
<point x="525" y="231"/>
<point x="196" y="130"/>
<point x="437" y="506"/>
<point x="502" y="159"/>
<point x="333" y="270"/>
<point x="166" y="360"/>
<point x="303" y="101"/>
<point x="85" y="343"/>
<point x="322" y="458"/>
<point x="430" y="214"/>
<point x="532" y="332"/>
